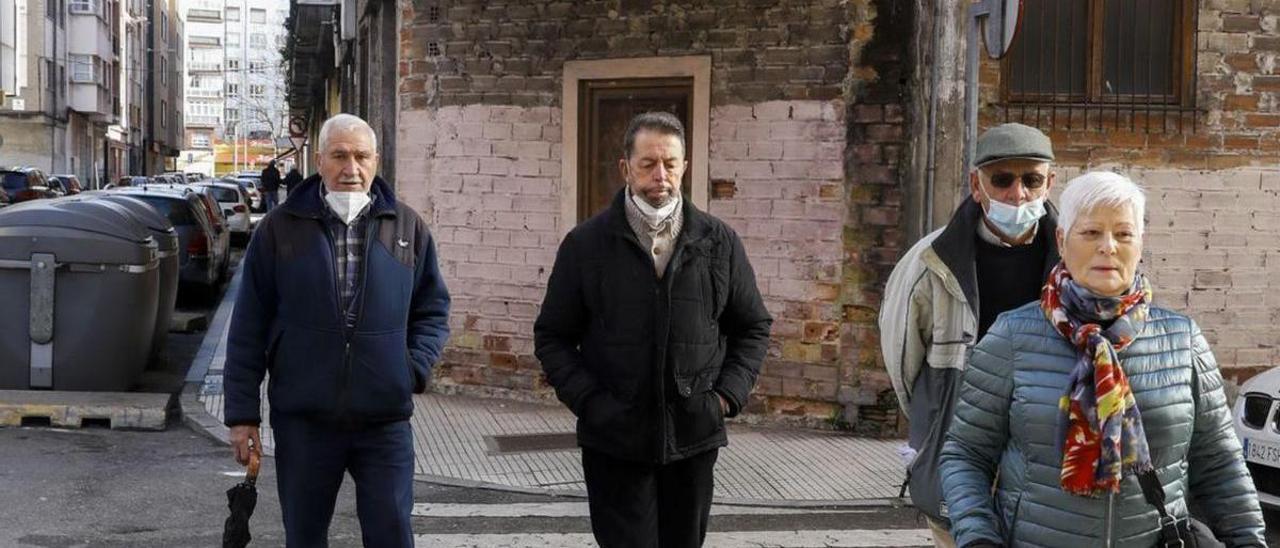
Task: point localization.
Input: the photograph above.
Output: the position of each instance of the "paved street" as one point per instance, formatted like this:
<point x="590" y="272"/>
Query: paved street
<point x="102" y="488"/>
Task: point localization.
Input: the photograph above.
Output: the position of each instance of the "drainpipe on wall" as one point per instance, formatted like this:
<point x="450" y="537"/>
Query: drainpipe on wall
<point x="932" y="137"/>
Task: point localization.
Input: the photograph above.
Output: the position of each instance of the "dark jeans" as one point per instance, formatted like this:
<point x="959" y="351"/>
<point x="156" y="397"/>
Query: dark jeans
<point x="638" y="505"/>
<point x="269" y="199"/>
<point x="311" y="459"/>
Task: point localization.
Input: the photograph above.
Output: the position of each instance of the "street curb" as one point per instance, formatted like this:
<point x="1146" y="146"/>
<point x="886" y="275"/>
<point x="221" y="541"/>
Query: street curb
<point x="193" y="413"/>
<point x="725" y="501"/>
<point x="197" y="418"/>
<point x="217" y="327"/>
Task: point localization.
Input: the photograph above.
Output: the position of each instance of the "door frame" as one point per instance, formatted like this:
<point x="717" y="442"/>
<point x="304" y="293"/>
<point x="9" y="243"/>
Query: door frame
<point x="696" y="67"/>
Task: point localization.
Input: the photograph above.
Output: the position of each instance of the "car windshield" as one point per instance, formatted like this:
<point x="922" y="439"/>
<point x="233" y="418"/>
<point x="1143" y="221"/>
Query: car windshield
<point x="225" y="194"/>
<point x="13" y="181"/>
<point x="175" y="209"/>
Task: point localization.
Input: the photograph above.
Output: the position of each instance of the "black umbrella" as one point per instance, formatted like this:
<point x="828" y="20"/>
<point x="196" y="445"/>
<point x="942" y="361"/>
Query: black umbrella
<point x="241" y="499"/>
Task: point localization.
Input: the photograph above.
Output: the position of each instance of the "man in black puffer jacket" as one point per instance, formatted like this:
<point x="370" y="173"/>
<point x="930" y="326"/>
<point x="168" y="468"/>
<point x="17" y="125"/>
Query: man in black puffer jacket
<point x="652" y="332"/>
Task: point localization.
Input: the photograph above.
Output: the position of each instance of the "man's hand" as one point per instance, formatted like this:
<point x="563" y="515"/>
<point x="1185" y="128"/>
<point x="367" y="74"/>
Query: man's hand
<point x="724" y="405"/>
<point x="244" y="438"/>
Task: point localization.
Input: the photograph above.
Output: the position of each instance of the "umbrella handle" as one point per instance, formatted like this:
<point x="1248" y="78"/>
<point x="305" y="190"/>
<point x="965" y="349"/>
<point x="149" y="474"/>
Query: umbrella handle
<point x="255" y="461"/>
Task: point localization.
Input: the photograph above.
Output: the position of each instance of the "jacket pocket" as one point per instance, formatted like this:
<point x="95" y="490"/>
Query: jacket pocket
<point x="695" y="420"/>
<point x="304" y="371"/>
<point x="381" y="380"/>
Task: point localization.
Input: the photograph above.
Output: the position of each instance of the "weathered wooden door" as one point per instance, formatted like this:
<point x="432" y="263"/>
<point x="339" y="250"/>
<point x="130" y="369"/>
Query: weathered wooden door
<point x="605" y="109"/>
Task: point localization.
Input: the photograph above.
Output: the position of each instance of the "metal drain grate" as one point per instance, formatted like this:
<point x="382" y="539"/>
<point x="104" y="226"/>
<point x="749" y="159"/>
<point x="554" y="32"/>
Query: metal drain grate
<point x="530" y="443"/>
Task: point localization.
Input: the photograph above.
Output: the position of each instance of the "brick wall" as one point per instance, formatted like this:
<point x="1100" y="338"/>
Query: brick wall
<point x="783" y="161"/>
<point x="804" y="145"/>
<point x="1212" y="247"/>
<point x="491" y="192"/>
<point x="513" y="52"/>
<point x="1212" y="188"/>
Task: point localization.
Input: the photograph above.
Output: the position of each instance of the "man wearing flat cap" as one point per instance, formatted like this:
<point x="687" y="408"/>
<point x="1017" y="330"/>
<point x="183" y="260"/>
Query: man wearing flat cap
<point x="993" y="256"/>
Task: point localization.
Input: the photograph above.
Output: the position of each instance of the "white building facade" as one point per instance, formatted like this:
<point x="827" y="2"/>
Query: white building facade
<point x="234" y="85"/>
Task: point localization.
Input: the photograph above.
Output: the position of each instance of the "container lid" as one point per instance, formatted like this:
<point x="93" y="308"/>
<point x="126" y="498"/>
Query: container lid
<point x="159" y="225"/>
<point x="145" y="213"/>
<point x="75" y="231"/>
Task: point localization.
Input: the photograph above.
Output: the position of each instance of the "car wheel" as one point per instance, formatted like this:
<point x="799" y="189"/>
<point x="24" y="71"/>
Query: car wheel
<point x="223" y="270"/>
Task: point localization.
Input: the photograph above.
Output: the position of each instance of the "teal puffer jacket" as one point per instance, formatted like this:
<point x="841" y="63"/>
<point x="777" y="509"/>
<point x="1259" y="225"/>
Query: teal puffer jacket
<point x="1006" y="421"/>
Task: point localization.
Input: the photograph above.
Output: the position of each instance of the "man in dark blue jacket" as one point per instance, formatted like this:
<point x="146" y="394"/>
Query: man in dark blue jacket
<point x="343" y="303"/>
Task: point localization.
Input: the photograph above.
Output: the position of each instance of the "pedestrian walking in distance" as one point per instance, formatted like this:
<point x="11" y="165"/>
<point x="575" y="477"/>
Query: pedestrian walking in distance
<point x="270" y="186"/>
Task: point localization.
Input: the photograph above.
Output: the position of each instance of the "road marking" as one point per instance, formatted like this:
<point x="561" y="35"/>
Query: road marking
<point x="853" y="538"/>
<point x="579" y="509"/>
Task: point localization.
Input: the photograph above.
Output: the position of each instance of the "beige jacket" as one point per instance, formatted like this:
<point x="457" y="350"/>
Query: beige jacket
<point x="924" y="318"/>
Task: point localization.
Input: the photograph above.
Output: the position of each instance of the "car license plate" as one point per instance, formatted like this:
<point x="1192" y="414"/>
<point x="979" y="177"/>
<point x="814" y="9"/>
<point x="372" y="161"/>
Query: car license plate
<point x="1262" y="452"/>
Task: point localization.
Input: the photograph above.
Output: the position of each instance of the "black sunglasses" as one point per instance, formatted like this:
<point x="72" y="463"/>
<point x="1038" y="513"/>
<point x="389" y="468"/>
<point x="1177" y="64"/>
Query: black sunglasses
<point x="1030" y="180"/>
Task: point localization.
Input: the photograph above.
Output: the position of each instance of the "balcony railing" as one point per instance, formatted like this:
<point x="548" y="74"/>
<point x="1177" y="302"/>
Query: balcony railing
<point x="200" y="120"/>
<point x="204" y="93"/>
<point x="197" y="66"/>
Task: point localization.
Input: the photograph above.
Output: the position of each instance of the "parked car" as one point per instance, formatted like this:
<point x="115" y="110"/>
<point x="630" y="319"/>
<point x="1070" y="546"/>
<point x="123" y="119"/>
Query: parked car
<point x="222" y="232"/>
<point x="193" y="176"/>
<point x="67" y="185"/>
<point x="250" y="189"/>
<point x="1256" y="413"/>
<point x="177" y="177"/>
<point x="25" y="183"/>
<point x="128" y="181"/>
<point x="234" y="206"/>
<point x="203" y="253"/>
<point x="254" y="180"/>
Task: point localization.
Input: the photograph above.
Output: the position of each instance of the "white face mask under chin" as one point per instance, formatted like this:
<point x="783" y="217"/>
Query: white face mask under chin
<point x="347" y="205"/>
<point x="654" y="215"/>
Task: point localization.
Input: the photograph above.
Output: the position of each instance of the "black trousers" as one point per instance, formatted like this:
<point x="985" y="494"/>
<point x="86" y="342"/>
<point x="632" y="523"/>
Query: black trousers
<point x="639" y="505"/>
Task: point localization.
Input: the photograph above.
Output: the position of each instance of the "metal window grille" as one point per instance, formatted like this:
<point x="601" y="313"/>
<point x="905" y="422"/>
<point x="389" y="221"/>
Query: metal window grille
<point x="1103" y="65"/>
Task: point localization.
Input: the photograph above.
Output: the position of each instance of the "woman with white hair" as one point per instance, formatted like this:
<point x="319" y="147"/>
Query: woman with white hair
<point x="1096" y="415"/>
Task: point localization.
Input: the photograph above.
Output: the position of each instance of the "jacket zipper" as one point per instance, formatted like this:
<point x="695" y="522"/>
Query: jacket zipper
<point x="659" y="351"/>
<point x="348" y="330"/>
<point x="343" y="392"/>
<point x="1111" y="502"/>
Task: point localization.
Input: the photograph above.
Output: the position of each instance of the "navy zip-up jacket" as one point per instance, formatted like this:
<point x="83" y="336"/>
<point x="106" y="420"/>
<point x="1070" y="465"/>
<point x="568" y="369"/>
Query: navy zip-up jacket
<point x="288" y="319"/>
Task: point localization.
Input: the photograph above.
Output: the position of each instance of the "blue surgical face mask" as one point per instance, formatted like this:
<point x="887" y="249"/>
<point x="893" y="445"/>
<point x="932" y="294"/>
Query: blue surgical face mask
<point x="1013" y="221"/>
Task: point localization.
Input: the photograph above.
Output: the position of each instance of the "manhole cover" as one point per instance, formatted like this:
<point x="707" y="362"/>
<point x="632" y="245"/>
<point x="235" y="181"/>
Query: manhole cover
<point x="526" y="443"/>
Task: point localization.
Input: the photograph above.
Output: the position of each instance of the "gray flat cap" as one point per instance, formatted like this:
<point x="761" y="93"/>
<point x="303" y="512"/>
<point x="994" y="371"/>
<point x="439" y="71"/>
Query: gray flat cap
<point x="1012" y="141"/>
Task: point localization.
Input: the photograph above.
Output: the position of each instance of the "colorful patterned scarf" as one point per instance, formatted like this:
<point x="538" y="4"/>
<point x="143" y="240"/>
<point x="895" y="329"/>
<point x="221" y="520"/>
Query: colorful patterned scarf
<point x="1100" y="426"/>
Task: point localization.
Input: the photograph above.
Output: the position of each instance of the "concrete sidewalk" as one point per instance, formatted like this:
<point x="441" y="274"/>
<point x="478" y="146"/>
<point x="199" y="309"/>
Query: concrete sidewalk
<point x="525" y="447"/>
